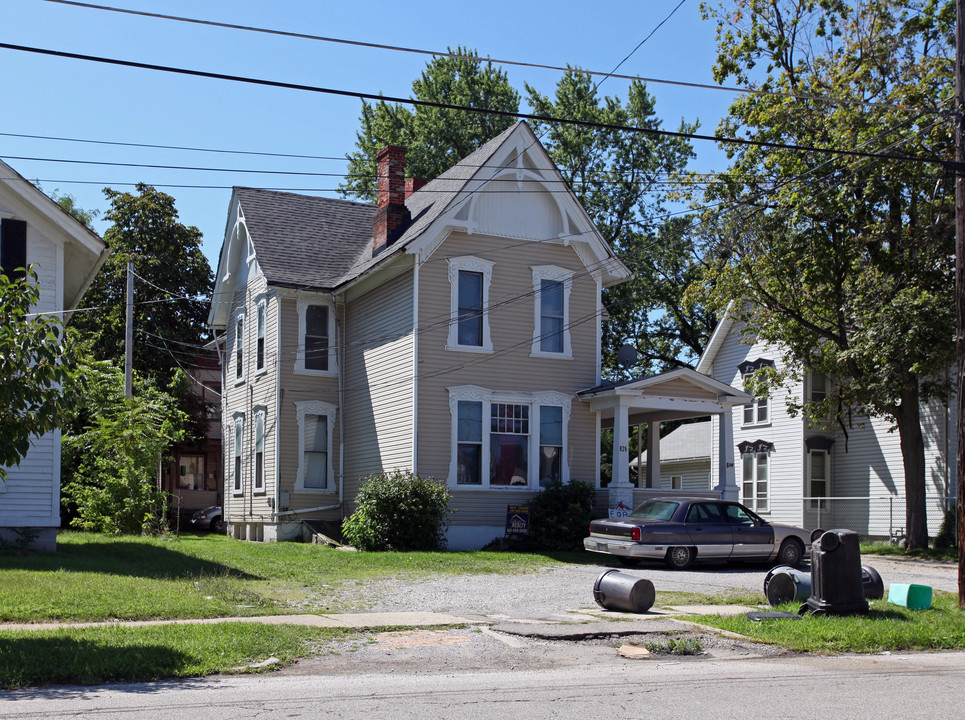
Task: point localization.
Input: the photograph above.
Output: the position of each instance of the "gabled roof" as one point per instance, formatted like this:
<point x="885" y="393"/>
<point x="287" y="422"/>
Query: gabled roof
<point x="306" y="241"/>
<point x="84" y="250"/>
<point x="706" y="363"/>
<point x="324" y="244"/>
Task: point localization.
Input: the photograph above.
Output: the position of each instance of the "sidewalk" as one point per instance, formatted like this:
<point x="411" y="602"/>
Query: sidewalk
<point x="579" y="621"/>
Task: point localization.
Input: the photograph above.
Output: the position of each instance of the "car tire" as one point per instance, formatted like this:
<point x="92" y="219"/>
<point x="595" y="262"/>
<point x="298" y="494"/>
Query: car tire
<point x="217" y="525"/>
<point x="628" y="561"/>
<point x="680" y="558"/>
<point x="791" y="553"/>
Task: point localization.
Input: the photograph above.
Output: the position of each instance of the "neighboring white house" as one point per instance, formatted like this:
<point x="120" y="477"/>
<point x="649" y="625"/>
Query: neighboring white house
<point x="685" y="454"/>
<point x="849" y="477"/>
<point x="65" y="255"/>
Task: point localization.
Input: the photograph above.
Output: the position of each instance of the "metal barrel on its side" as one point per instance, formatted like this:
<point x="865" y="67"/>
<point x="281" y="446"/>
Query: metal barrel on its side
<point x="615" y="590"/>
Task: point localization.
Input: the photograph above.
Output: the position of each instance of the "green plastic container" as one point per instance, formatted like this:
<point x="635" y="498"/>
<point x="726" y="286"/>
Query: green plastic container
<point x="913" y="597"/>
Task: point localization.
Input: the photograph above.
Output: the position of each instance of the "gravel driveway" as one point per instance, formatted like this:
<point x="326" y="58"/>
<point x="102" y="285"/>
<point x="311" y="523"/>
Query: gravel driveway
<point x="559" y="590"/>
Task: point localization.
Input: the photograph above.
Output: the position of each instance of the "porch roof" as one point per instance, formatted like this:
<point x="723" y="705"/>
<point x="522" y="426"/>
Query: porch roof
<point x="673" y="395"/>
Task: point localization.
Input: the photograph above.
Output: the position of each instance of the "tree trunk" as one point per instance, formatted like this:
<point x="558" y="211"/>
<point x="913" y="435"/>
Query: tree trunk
<point x="908" y="416"/>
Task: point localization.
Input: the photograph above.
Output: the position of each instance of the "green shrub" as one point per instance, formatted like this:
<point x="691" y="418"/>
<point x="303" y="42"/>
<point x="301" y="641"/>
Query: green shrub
<point x="398" y="511"/>
<point x="947" y="537"/>
<point x="559" y="516"/>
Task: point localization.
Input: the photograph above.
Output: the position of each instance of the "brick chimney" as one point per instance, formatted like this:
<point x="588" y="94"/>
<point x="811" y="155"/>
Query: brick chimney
<point x="414" y="185"/>
<point x="392" y="214"/>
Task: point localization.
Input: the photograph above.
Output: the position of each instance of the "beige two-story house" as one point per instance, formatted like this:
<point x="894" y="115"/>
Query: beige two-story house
<point x="446" y="330"/>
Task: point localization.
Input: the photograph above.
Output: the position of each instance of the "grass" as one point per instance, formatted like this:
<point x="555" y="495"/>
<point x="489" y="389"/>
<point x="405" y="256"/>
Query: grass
<point x="204" y="576"/>
<point x="121" y="654"/>
<point x="882" y="548"/>
<point x="885" y="627"/>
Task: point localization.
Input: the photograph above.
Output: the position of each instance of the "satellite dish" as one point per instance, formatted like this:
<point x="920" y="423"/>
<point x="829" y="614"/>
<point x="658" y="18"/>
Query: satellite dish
<point x="627" y="356"/>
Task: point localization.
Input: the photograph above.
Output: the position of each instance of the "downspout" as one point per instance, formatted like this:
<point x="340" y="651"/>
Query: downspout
<point x="278" y="397"/>
<point x="415" y="364"/>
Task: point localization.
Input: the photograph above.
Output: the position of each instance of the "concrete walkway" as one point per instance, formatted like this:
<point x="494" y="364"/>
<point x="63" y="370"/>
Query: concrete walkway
<point x="363" y="621"/>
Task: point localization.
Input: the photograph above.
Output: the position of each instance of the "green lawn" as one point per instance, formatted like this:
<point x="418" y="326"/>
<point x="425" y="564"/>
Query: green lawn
<point x="94" y="577"/>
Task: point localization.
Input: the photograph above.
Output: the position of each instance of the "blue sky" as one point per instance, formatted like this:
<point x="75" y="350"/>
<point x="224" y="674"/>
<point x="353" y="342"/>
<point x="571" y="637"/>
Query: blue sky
<point x="49" y="96"/>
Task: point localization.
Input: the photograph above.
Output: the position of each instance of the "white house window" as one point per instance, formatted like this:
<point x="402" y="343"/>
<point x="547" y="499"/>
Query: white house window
<point x="755" y="474"/>
<point x="259" y="480"/>
<point x="238" y="465"/>
<point x="469" y="443"/>
<point x="758" y="411"/>
<point x="551" y="321"/>
<point x="261" y="315"/>
<point x="550" y="444"/>
<point x="819" y="476"/>
<point x="316" y="422"/>
<point x="508" y="439"/>
<point x="240" y="348"/>
<point x="316" y="329"/>
<point x="819" y="387"/>
<point x="469" y="280"/>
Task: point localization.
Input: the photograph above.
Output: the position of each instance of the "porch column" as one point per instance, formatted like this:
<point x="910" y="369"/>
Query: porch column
<point x="653" y="454"/>
<point x="620" y="489"/>
<point x="726" y="478"/>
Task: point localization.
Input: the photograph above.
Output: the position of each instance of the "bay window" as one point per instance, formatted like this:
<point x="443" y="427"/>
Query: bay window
<point x="503" y="439"/>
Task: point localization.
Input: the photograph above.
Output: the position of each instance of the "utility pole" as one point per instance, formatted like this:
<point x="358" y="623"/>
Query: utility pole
<point x="960" y="290"/>
<point x="129" y="333"/>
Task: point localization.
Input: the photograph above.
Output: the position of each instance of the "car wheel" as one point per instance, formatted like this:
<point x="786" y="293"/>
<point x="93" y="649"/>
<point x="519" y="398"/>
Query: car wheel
<point x="680" y="558"/>
<point x="629" y="561"/>
<point x="217" y="525"/>
<point x="791" y="553"/>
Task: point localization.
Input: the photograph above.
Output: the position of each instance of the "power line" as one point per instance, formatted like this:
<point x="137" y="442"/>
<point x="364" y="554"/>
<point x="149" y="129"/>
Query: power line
<point x="474" y="58"/>
<point x="446" y="106"/>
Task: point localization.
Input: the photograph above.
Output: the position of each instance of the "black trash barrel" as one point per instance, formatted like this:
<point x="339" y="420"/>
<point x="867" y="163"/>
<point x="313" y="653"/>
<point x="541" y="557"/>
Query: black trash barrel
<point x="615" y="590"/>
<point x="836" y="581"/>
<point x="784" y="584"/>
<point x="874" y="587"/>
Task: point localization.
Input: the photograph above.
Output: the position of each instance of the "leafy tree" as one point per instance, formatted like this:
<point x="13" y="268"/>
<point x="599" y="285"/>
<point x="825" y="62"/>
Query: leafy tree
<point x="844" y="263"/>
<point x="623" y="180"/>
<point x="69" y="203"/>
<point x="35" y="361"/>
<point x="111" y="450"/>
<point x="171" y="305"/>
<point x="434" y="138"/>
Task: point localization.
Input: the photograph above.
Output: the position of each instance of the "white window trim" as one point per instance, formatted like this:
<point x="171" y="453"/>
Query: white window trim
<point x="238" y="479"/>
<point x="261" y="317"/>
<point x="752" y="502"/>
<point x="260" y="414"/>
<point x="302" y="306"/>
<point x="315" y="407"/>
<point x="240" y="317"/>
<point x="557" y="274"/>
<point x="473" y="393"/>
<point x="469" y="264"/>
<point x="756" y="408"/>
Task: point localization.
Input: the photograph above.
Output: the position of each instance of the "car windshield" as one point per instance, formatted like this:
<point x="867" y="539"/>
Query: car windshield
<point x="655" y="510"/>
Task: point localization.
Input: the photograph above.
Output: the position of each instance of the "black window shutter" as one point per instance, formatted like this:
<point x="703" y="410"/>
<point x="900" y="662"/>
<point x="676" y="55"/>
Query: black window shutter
<point x="13" y="248"/>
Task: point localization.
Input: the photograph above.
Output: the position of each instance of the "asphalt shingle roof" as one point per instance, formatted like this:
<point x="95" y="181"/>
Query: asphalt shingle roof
<point x="322" y="243"/>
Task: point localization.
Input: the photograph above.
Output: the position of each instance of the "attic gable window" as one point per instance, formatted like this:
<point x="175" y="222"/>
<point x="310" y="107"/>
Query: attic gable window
<point x="13" y="248"/>
<point x="316" y="329"/>
<point x="261" y="318"/>
<point x="469" y="280"/>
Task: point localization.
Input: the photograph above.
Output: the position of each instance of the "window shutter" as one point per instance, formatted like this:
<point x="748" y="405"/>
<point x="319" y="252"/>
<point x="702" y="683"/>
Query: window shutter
<point x="13" y="248"/>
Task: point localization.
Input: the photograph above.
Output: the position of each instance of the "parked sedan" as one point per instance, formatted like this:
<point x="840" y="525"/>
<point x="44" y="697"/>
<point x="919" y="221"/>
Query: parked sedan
<point x="208" y="519"/>
<point x="681" y="530"/>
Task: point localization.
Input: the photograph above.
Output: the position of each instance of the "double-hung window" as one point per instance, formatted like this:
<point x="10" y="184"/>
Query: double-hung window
<point x="316" y="329"/>
<point x="259" y="479"/>
<point x="240" y="348"/>
<point x="239" y="435"/>
<point x="508" y="439"/>
<point x="261" y="318"/>
<point x="819" y="476"/>
<point x="758" y="411"/>
<point x="316" y="421"/>
<point x="551" y="331"/>
<point x="469" y="280"/>
<point x="755" y="475"/>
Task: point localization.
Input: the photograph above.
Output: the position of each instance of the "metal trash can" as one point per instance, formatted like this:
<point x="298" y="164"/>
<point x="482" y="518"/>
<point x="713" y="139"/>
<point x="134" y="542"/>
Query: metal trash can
<point x="784" y="584"/>
<point x="836" y="582"/>
<point x="615" y="590"/>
